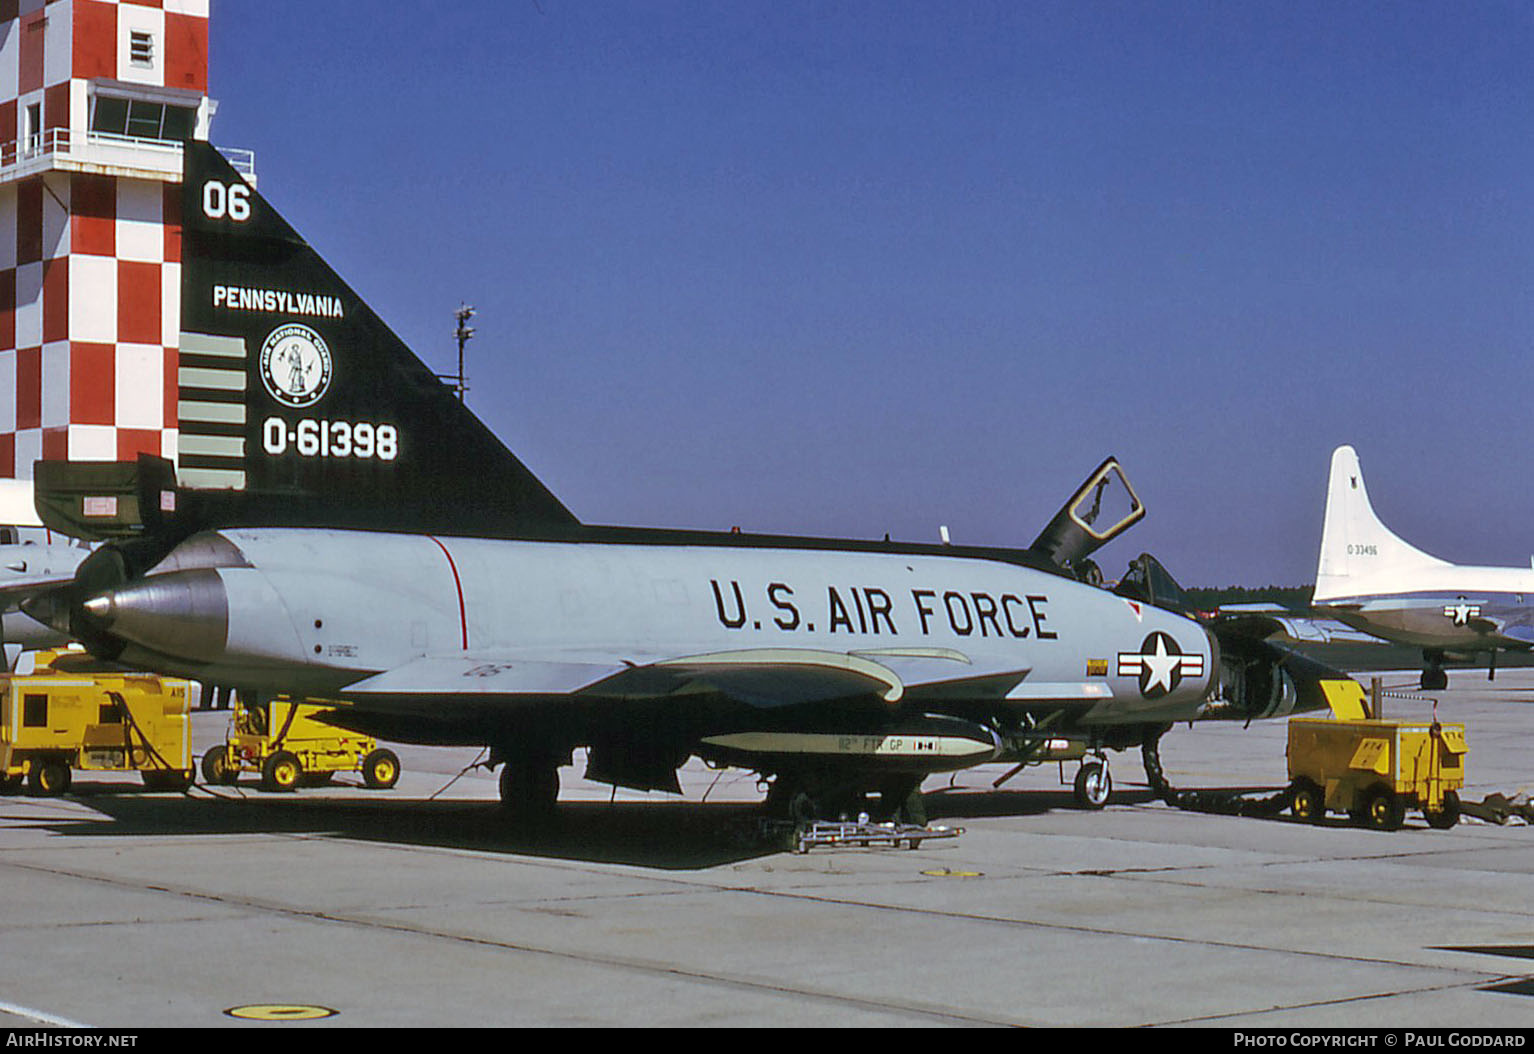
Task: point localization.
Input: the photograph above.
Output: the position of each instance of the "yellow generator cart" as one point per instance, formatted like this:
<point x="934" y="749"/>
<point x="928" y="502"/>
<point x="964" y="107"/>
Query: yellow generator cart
<point x="285" y="742"/>
<point x="1374" y="770"/>
<point x="53" y="722"/>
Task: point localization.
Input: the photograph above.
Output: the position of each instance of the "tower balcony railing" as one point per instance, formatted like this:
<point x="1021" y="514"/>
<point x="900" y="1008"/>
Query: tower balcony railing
<point x="106" y="152"/>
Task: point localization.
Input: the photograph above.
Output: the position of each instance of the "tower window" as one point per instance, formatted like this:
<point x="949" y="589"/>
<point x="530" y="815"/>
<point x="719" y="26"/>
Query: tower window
<point x="141" y="49"/>
<point x="142" y="119"/>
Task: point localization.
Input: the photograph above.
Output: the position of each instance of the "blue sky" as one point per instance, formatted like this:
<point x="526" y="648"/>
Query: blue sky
<point x="854" y="268"/>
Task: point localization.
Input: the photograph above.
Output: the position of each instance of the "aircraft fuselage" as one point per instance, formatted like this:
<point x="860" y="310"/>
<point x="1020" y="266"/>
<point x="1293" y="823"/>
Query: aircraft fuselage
<point x="314" y="611"/>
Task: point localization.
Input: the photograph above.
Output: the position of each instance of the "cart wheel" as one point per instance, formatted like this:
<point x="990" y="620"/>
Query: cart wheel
<point x="1446" y="817"/>
<point x="281" y="772"/>
<point x="1384" y="810"/>
<point x="50" y="778"/>
<point x="1308" y="802"/>
<point x="380" y="769"/>
<point x="216" y="767"/>
<point x="1093" y="785"/>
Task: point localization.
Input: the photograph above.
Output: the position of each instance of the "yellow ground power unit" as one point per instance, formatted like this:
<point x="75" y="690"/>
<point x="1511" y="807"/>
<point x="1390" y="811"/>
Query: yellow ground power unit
<point x="1374" y="770"/>
<point x="285" y="742"/>
<point x="53" y="722"/>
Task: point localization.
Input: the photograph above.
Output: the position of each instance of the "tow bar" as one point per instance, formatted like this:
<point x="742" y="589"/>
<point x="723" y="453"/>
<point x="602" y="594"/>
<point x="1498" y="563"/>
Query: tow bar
<point x="863" y="833"/>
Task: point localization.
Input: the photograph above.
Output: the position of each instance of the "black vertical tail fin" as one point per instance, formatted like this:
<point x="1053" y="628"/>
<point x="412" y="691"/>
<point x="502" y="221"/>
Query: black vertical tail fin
<point x="299" y="406"/>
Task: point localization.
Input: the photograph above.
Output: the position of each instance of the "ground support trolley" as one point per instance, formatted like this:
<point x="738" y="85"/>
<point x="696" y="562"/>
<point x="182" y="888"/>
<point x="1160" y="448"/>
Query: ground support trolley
<point x="54" y="721"/>
<point x="287" y="744"/>
<point x="1374" y="770"/>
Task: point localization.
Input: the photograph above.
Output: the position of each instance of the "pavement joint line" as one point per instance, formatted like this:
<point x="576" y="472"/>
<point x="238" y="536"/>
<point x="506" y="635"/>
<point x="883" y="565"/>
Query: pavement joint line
<point x="277" y="907"/>
<point x="1102" y="932"/>
<point x="1480" y="978"/>
<point x="1367" y="997"/>
<point x="601" y="961"/>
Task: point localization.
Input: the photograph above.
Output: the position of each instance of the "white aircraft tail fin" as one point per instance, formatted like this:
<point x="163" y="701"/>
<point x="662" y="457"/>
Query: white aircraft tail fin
<point x="1354" y="543"/>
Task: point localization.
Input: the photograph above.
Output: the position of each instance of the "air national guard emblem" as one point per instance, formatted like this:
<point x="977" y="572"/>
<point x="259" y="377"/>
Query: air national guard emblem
<point x="1160" y="665"/>
<point x="295" y="365"/>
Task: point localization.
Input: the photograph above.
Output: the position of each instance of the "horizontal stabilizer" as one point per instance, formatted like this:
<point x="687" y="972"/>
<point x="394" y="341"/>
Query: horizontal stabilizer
<point x="1522" y="633"/>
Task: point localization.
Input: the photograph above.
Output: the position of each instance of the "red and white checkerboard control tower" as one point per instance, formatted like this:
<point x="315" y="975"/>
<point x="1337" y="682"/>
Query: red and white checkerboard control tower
<point x="95" y="96"/>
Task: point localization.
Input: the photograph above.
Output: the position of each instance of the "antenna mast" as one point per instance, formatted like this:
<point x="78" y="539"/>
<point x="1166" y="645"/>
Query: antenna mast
<point x="464" y="331"/>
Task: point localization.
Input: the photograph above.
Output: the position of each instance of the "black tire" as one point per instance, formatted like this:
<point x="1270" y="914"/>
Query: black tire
<point x="1093" y="785"/>
<point x="1435" y="679"/>
<point x="1446" y="817"/>
<point x="166" y="779"/>
<point x="380" y="769"/>
<point x="216" y="768"/>
<point x="282" y="772"/>
<point x="530" y="791"/>
<point x="1307" y="802"/>
<point x="49" y="778"/>
<point x="1384" y="810"/>
<point x="11" y="784"/>
<point x="901" y="801"/>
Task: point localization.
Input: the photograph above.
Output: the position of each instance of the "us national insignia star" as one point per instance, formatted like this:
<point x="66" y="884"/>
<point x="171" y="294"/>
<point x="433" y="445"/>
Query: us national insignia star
<point x="1462" y="613"/>
<point x="1160" y="665"/>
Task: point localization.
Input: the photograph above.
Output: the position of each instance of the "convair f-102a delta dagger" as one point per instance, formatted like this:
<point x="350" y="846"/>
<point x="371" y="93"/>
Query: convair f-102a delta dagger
<point x="1372" y="580"/>
<point x="359" y="537"/>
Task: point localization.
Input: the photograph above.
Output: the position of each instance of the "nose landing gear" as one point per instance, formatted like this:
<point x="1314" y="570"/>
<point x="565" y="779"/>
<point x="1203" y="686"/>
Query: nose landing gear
<point x="1093" y="785"/>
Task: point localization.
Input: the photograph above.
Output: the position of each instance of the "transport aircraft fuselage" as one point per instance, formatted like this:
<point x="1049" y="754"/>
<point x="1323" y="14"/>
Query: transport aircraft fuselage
<point x="1369" y="578"/>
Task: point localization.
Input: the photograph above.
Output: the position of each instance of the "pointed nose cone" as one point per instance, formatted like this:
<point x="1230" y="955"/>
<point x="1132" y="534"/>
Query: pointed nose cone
<point x="184" y="614"/>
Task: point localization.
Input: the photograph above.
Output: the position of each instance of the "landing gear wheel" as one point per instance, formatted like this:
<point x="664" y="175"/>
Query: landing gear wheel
<point x="1434" y="680"/>
<point x="1307" y="802"/>
<point x="1093" y="785"/>
<point x="282" y="772"/>
<point x="216" y="768"/>
<point x="1446" y="817"/>
<point x="530" y="791"/>
<point x="1384" y="810"/>
<point x="49" y="779"/>
<point x="802" y="809"/>
<point x="380" y="769"/>
<point x="901" y="801"/>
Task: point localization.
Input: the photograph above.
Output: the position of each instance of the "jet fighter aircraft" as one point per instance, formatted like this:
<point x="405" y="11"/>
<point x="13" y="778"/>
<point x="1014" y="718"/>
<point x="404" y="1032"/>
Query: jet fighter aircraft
<point x="1372" y="580"/>
<point x="363" y="538"/>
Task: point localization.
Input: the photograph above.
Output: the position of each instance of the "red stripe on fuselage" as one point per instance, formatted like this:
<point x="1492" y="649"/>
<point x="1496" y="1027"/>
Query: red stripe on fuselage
<point x="463" y="615"/>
